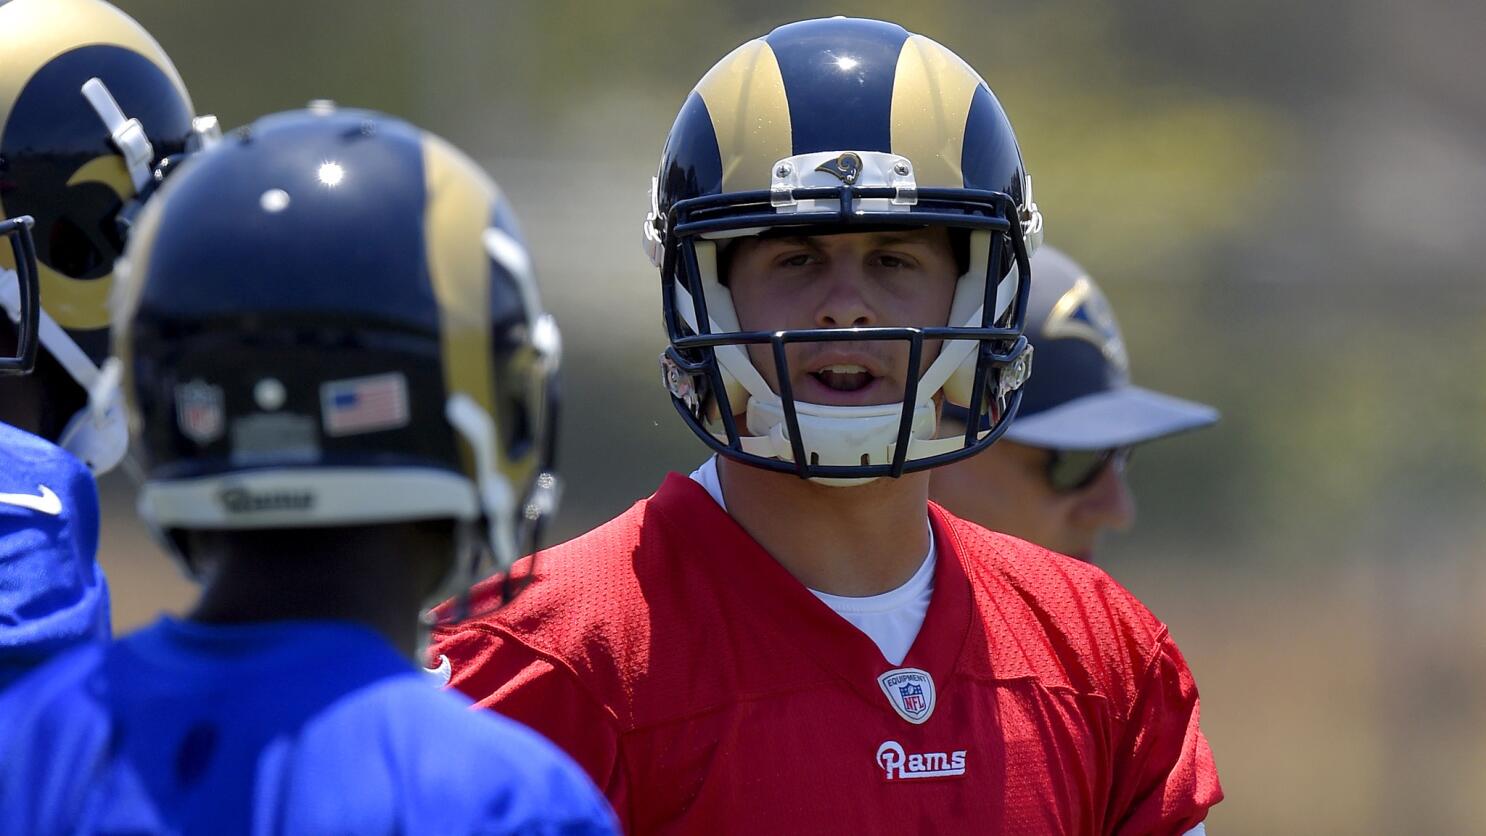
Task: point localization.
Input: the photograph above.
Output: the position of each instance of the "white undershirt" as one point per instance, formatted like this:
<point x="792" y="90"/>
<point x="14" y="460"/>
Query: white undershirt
<point x="891" y="620"/>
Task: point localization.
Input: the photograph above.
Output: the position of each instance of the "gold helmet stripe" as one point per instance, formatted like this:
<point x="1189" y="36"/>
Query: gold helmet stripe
<point x="32" y="33"/>
<point x="932" y="92"/>
<point x="745" y="96"/>
<point x="461" y="202"/>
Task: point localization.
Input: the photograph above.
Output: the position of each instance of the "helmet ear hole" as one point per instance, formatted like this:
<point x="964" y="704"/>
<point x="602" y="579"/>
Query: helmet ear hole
<point x="959" y="243"/>
<point x="69" y="251"/>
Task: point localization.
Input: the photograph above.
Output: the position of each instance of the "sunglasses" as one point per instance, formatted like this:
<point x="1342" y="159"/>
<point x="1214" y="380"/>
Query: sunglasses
<point x="1073" y="470"/>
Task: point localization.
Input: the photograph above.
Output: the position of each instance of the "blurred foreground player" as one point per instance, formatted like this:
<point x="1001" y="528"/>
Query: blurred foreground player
<point x="794" y="639"/>
<point x="92" y="116"/>
<point x="1057" y="478"/>
<point x="333" y="345"/>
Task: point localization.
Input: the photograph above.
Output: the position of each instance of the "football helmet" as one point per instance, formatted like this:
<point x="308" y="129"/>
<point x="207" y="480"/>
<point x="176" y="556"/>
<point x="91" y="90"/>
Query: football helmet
<point x="92" y="115"/>
<point x="330" y="319"/>
<point x="842" y="125"/>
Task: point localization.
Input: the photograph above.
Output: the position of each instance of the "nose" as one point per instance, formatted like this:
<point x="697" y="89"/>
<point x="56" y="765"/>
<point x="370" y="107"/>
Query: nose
<point x="845" y="304"/>
<point x="1106" y="503"/>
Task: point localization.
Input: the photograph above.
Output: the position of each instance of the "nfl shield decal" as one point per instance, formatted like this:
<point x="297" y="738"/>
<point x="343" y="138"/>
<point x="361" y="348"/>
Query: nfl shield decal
<point x="911" y="693"/>
<point x="198" y="411"/>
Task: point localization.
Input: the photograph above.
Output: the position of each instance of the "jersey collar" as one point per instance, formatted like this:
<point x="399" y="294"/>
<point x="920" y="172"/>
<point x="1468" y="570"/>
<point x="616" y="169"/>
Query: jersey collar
<point x="760" y="592"/>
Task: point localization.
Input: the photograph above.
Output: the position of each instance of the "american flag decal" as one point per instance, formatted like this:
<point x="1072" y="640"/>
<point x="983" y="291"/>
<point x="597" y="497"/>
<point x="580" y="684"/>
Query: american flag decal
<point x="364" y="404"/>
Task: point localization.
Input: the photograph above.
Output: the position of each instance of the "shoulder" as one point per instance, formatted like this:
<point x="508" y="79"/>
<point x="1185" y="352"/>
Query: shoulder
<point x="56" y="732"/>
<point x="27" y="457"/>
<point x="55" y="691"/>
<point x="49" y="487"/>
<point x="1053" y="617"/>
<point x="446" y="763"/>
<point x="590" y="606"/>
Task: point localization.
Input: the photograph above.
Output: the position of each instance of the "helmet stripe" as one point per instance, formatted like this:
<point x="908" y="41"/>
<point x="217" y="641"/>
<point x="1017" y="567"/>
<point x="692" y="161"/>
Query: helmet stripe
<point x="460" y="202"/>
<point x="931" y="105"/>
<point x="840" y="84"/>
<point x="745" y="96"/>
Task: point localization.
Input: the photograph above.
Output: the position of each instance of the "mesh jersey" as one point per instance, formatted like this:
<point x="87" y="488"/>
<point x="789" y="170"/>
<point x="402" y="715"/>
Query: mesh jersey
<point x="286" y="727"/>
<point x="708" y="691"/>
<point x="52" y="592"/>
<point x="891" y="619"/>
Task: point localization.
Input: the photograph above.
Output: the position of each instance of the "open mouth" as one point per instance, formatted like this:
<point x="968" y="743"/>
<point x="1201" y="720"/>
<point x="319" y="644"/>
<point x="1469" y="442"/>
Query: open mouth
<point x="844" y="377"/>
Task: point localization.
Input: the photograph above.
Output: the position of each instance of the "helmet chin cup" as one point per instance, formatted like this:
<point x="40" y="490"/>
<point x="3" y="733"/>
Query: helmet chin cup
<point x="841" y="436"/>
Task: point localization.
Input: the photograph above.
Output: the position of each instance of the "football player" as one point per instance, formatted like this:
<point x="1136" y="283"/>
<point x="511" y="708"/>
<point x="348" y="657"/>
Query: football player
<point x="794" y="639"/>
<point x="332" y="343"/>
<point x="92" y="116"/>
<point x="1057" y="478"/>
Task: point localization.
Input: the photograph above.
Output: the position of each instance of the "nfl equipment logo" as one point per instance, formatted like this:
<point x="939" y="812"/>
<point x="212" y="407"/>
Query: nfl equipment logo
<point x="913" y="698"/>
<point x="910" y="691"/>
<point x="198" y="411"/>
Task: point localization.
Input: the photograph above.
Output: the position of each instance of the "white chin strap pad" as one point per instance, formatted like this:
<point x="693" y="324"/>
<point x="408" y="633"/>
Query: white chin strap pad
<point x="98" y="435"/>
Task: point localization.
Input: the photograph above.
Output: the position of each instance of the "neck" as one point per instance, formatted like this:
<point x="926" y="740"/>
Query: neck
<point x="377" y="591"/>
<point x="857" y="541"/>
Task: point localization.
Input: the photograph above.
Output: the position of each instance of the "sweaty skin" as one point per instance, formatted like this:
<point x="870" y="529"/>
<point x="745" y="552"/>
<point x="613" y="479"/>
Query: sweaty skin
<point x="1005" y="489"/>
<point x="861" y="540"/>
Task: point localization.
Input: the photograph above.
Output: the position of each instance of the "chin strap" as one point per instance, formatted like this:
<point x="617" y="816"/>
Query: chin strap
<point x="98" y="434"/>
<point x="497" y="499"/>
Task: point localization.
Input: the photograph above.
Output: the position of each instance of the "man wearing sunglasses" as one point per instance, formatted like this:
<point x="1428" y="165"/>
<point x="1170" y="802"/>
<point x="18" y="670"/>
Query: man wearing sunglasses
<point x="1057" y="477"/>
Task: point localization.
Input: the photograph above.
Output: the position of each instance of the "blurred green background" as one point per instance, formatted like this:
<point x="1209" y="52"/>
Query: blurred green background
<point x="1285" y="203"/>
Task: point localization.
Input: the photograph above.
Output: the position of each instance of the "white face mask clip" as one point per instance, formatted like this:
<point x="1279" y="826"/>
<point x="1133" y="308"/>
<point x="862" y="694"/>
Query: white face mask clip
<point x="127" y="134"/>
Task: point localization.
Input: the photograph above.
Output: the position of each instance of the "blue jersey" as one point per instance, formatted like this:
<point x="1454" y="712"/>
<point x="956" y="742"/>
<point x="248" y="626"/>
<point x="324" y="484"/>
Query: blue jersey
<point x="282" y="727"/>
<point x="52" y="593"/>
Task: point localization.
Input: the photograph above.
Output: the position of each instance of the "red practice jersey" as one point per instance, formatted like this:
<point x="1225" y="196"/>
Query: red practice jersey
<point x="707" y="691"/>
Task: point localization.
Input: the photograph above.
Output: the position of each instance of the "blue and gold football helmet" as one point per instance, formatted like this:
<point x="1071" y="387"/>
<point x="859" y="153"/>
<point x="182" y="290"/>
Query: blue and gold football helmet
<point x="842" y="125"/>
<point x="330" y="319"/>
<point x="92" y="115"/>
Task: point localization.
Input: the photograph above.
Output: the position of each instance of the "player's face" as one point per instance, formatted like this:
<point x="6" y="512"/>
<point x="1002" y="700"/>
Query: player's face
<point x="1006" y="489"/>
<point x="857" y="280"/>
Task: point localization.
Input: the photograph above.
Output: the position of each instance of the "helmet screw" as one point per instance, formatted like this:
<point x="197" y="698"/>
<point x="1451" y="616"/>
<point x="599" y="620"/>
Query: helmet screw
<point x="269" y="394"/>
<point x="783" y="170"/>
<point x="901" y="168"/>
